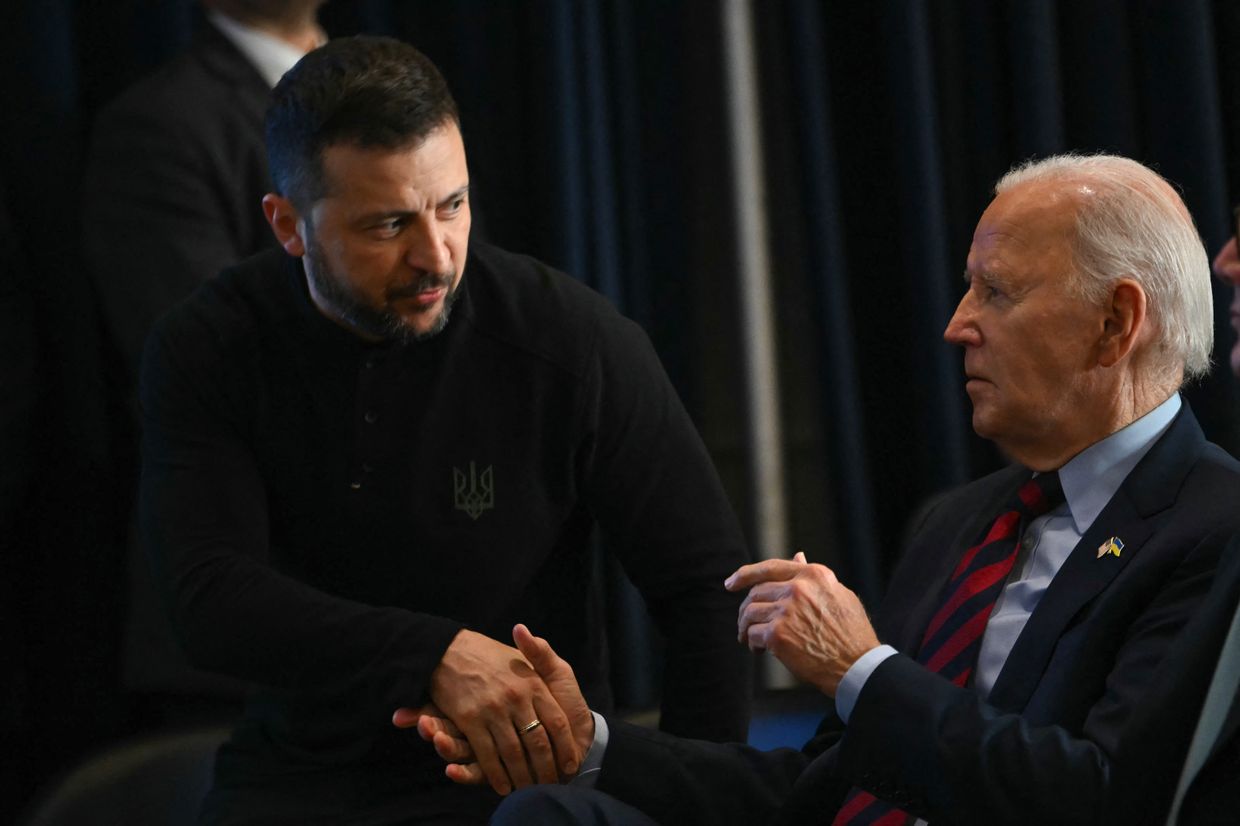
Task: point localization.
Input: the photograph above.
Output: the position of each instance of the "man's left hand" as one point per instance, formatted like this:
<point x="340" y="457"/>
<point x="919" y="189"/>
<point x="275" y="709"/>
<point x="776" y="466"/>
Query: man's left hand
<point x="450" y="744"/>
<point x="805" y="617"/>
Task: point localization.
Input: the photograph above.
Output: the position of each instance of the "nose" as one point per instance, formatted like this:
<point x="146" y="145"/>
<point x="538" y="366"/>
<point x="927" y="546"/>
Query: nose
<point x="428" y="248"/>
<point x="1227" y="264"/>
<point x="962" y="328"/>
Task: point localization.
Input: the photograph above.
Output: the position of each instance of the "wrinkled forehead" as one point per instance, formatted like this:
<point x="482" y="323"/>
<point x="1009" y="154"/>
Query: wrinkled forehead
<point x="1031" y="217"/>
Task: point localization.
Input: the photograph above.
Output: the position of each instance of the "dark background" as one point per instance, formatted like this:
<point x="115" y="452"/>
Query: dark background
<point x="597" y="141"/>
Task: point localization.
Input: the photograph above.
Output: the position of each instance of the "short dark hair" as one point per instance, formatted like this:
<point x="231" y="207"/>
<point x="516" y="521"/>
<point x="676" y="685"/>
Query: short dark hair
<point x="372" y="92"/>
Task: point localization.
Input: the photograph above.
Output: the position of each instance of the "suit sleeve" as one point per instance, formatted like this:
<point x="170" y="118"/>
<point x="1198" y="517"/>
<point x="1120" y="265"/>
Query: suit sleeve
<point x="659" y="500"/>
<point x="940" y="752"/>
<point x="684" y="781"/>
<point x="204" y="524"/>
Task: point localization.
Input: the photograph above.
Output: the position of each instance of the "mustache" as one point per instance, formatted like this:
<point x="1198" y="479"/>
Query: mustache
<point x="424" y="283"/>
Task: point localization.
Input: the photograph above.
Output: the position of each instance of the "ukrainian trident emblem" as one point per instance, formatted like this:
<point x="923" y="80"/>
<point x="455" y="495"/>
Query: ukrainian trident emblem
<point x="475" y="493"/>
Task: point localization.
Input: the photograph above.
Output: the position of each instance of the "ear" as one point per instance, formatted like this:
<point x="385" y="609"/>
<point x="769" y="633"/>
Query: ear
<point x="285" y="223"/>
<point x="1124" y="322"/>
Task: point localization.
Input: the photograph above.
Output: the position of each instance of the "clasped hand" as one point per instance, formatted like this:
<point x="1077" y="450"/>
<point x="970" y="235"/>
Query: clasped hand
<point x="799" y="612"/>
<point x="804" y="616"/>
<point x="484" y="693"/>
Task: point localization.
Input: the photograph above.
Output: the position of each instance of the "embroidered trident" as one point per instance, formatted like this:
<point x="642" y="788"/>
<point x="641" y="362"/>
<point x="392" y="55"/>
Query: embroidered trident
<point x="475" y="493"/>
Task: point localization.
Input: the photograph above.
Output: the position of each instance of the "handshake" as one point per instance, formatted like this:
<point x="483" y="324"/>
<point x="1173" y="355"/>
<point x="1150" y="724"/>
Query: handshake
<point x="471" y="722"/>
<point x="512" y="718"/>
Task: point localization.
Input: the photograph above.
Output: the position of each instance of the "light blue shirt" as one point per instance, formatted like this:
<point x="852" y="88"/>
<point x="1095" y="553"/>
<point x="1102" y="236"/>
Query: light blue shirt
<point x="592" y="763"/>
<point x="1089" y="481"/>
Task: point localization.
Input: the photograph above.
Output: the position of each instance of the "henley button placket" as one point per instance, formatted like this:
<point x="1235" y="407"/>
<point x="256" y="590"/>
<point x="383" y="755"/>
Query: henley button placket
<point x="366" y="385"/>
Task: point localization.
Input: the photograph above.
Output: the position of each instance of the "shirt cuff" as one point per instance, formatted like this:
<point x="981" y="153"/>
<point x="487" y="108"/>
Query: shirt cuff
<point x="587" y="775"/>
<point x="855" y="679"/>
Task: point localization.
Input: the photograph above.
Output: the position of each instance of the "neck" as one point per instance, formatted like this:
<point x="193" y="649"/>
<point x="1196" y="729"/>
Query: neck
<point x="1112" y="412"/>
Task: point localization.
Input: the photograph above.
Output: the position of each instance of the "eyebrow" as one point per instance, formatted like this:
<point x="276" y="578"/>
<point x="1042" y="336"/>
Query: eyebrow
<point x="987" y="277"/>
<point x="454" y="196"/>
<point x="376" y="217"/>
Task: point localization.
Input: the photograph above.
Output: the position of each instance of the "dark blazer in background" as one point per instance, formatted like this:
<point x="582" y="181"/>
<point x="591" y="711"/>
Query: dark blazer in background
<point x="1037" y="751"/>
<point x="175" y="178"/>
<point x="172" y="195"/>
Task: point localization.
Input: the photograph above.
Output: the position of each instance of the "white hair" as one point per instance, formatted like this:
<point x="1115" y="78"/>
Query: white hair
<point x="1132" y="224"/>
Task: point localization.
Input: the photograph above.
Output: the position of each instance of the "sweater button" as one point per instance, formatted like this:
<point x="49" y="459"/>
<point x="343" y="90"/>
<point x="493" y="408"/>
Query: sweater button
<point x="371" y="417"/>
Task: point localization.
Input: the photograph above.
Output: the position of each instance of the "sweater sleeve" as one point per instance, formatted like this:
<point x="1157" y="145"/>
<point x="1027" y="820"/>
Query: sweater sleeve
<point x="205" y="529"/>
<point x="659" y="500"/>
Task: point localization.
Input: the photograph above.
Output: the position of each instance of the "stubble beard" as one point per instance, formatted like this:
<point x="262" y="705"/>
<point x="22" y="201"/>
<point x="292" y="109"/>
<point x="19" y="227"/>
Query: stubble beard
<point x="381" y="323"/>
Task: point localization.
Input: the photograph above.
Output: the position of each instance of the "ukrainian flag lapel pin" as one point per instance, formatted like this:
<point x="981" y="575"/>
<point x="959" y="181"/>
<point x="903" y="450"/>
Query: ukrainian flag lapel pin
<point x="1112" y="546"/>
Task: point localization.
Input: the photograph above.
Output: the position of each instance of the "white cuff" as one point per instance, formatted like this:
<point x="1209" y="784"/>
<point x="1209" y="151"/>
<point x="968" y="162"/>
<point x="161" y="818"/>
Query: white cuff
<point x="592" y="763"/>
<point x="855" y="679"/>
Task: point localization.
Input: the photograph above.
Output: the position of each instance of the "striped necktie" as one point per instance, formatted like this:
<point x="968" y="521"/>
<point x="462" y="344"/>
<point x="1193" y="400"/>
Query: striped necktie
<point x="953" y="637"/>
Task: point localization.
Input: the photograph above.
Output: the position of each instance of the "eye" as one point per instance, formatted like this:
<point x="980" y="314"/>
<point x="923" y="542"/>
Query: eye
<point x="388" y="227"/>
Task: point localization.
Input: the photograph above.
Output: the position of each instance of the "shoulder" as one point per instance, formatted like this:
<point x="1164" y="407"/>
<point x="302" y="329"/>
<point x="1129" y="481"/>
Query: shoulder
<point x="1185" y="474"/>
<point x="520" y="302"/>
<point x="211" y="73"/>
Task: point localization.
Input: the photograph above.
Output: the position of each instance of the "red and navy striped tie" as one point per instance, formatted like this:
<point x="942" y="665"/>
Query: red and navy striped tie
<point x="953" y="637"/>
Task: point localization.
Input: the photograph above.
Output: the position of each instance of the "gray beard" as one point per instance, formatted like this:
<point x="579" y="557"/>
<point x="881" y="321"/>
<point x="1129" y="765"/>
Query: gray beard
<point x="382" y="324"/>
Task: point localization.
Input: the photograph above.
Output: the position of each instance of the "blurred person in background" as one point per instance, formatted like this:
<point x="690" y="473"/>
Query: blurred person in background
<point x="174" y="182"/>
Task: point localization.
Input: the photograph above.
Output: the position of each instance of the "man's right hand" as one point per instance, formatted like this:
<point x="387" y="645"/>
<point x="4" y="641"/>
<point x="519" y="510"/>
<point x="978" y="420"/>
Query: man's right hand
<point x="491" y="693"/>
<point x="453" y="746"/>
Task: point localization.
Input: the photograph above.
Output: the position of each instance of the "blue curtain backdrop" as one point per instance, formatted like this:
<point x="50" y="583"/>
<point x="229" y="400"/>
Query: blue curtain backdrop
<point x="596" y="140"/>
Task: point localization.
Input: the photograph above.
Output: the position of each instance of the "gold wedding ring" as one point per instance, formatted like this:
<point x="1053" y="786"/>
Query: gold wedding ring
<point x="526" y="729"/>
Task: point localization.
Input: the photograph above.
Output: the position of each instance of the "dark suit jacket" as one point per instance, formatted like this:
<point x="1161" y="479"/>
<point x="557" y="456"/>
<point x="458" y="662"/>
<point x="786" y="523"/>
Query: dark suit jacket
<point x="1038" y="751"/>
<point x="174" y="182"/>
<point x="172" y="195"/>
<point x="1152" y="750"/>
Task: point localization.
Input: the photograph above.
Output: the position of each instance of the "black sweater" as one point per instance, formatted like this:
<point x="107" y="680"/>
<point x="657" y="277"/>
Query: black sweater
<point x="325" y="514"/>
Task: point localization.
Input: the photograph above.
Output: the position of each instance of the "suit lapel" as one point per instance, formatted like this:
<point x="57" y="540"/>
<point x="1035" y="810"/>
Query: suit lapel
<point x="1149" y="489"/>
<point x="1083" y="576"/>
<point x="931" y="561"/>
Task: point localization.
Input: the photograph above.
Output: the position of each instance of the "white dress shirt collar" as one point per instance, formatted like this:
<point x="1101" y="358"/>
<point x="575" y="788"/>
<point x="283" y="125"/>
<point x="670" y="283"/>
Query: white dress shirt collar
<point x="270" y="55"/>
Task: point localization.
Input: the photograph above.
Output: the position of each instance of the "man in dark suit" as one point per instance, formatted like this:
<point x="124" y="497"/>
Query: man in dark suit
<point x="177" y="168"/>
<point x="1019" y="638"/>
<point x="172" y="195"/>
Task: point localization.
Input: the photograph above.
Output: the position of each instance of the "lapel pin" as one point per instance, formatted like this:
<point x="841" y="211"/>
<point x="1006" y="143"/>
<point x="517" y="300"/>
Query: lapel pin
<point x="1112" y="546"/>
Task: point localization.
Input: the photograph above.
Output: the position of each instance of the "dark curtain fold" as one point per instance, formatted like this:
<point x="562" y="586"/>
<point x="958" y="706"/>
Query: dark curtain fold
<point x="843" y="419"/>
<point x="595" y="136"/>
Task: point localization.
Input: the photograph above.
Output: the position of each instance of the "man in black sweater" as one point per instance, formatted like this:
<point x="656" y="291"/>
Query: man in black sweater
<point x="362" y="465"/>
